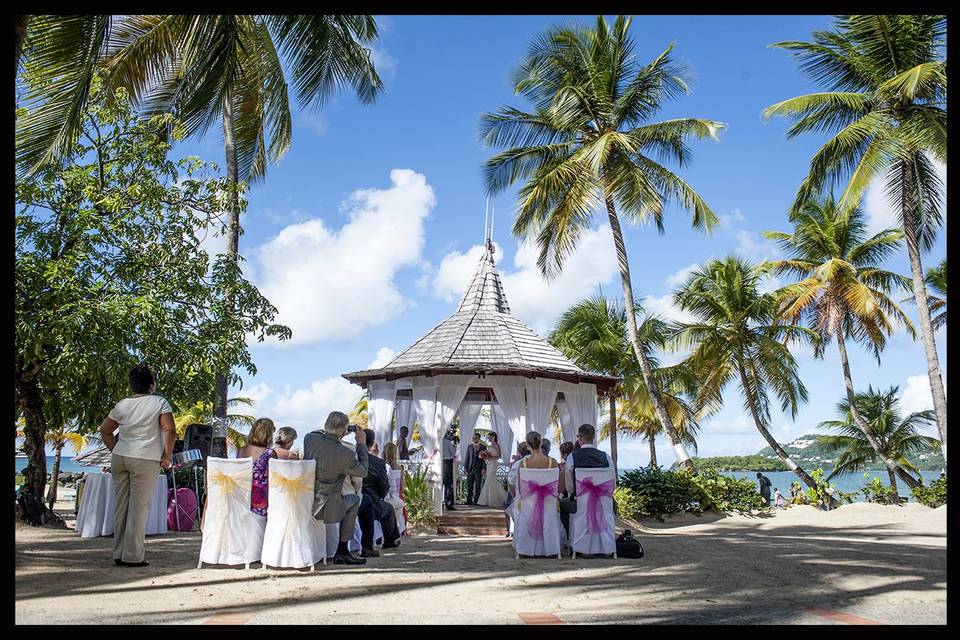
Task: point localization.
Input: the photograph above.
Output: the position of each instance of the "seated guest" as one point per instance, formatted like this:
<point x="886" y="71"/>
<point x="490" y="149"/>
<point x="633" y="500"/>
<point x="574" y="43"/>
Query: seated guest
<point x="566" y="448"/>
<point x="258" y="448"/>
<point x="390" y="457"/>
<point x="402" y="449"/>
<point x="374" y="507"/>
<point x="536" y="459"/>
<point x="375" y="450"/>
<point x="586" y="456"/>
<point x="334" y="464"/>
<point x="286" y="436"/>
<point x="545" y="446"/>
<point x="523" y="450"/>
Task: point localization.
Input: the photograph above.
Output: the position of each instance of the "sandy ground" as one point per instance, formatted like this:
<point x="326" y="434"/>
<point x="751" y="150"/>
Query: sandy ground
<point x="859" y="564"/>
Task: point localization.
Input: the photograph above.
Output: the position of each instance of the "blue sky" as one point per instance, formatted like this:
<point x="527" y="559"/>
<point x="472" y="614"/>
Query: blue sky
<point x="363" y="236"/>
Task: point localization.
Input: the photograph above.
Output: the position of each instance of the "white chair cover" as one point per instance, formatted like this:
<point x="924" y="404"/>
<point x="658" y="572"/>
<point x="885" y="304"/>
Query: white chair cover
<point x="232" y="534"/>
<point x="598" y="536"/>
<point x="355" y="543"/>
<point x="395" y="500"/>
<point x="533" y="536"/>
<point x="294" y="538"/>
<point x="332" y="530"/>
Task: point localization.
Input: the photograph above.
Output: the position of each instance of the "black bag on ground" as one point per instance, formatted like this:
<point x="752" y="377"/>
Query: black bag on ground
<point x="628" y="546"/>
<point x="31" y="508"/>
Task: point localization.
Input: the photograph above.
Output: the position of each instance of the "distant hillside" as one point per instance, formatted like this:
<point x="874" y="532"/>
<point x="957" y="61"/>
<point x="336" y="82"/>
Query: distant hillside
<point x="808" y="453"/>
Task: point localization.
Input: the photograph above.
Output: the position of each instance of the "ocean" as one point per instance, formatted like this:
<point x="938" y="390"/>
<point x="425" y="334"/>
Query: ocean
<point x="67" y="465"/>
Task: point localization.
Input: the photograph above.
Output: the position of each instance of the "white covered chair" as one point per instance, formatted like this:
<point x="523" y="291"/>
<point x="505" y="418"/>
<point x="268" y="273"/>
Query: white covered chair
<point x="355" y="542"/>
<point x="394" y="499"/>
<point x="535" y="515"/>
<point x="232" y="534"/>
<point x="592" y="527"/>
<point x="294" y="538"/>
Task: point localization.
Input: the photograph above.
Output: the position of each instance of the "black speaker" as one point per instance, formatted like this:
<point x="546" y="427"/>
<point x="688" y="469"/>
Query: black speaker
<point x="199" y="436"/>
<point x="177" y="446"/>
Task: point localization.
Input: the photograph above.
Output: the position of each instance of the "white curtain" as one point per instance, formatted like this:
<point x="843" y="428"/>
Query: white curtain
<point x="541" y="396"/>
<point x="581" y="407"/>
<point x="380" y="399"/>
<point x="450" y="393"/>
<point x="425" y="412"/>
<point x="511" y="396"/>
<point x="501" y="427"/>
<point x="404" y="413"/>
<point x="469" y="414"/>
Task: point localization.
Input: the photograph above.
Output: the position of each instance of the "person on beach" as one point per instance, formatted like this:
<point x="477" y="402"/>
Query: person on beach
<point x="403" y="450"/>
<point x="258" y="447"/>
<point x="778" y="499"/>
<point x="143" y="445"/>
<point x="586" y="456"/>
<point x="764" y="487"/>
<point x="286" y="436"/>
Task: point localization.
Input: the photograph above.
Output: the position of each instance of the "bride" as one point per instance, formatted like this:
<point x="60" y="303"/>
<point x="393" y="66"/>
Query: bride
<point x="492" y="493"/>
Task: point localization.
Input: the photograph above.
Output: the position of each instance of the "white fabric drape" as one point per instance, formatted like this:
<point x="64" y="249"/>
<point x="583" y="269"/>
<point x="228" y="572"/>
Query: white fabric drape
<point x="511" y="396"/>
<point x="469" y="414"/>
<point x="380" y="400"/>
<point x="404" y="413"/>
<point x="450" y="393"/>
<point x="501" y="427"/>
<point x="95" y="517"/>
<point x="232" y="534"/>
<point x="425" y="414"/>
<point x="541" y="396"/>
<point x="293" y="538"/>
<point x="581" y="407"/>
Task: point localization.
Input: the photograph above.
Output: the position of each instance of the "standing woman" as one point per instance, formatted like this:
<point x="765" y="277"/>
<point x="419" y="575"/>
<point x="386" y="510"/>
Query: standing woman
<point x="144" y="443"/>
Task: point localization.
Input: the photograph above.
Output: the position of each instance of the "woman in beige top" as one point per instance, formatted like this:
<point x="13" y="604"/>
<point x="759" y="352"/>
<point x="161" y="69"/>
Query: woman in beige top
<point x="146" y="432"/>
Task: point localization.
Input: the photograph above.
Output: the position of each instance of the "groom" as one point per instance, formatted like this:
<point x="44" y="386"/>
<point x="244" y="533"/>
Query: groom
<point x="474" y="466"/>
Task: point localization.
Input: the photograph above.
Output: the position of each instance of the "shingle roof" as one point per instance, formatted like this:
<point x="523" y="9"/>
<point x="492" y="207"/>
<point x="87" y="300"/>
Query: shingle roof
<point x="482" y="337"/>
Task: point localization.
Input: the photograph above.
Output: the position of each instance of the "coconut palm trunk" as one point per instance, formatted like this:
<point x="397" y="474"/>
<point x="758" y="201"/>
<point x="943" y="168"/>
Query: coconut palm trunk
<point x="653" y="450"/>
<point x="34" y="429"/>
<point x="893" y="485"/>
<point x="54" y="477"/>
<point x="892" y="466"/>
<point x="613" y="430"/>
<point x="783" y="455"/>
<point x="233" y="231"/>
<point x="923" y="307"/>
<point x="682" y="457"/>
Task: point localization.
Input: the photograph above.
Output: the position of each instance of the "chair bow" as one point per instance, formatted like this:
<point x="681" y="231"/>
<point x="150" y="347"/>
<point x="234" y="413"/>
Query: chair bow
<point x="594" y="509"/>
<point x="224" y="481"/>
<point x="529" y="488"/>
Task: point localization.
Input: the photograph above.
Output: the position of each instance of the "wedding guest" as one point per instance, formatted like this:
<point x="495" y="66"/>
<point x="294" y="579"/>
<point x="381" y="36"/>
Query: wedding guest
<point x="375" y="450"/>
<point x="334" y="465"/>
<point x="523" y="450"/>
<point x="545" y="446"/>
<point x="402" y="445"/>
<point x="566" y="448"/>
<point x="143" y="445"/>
<point x="258" y="447"/>
<point x="286" y="436"/>
<point x="393" y="464"/>
<point x="586" y="456"/>
<point x="373" y="506"/>
<point x="536" y="459"/>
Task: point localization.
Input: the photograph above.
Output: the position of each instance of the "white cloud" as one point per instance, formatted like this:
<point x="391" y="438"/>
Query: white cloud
<point x="678" y="278"/>
<point x="258" y="393"/>
<point x="384" y="355"/>
<point x="916" y="395"/>
<point x="532" y="299"/>
<point x="384" y="63"/>
<point x="664" y="307"/>
<point x="311" y="121"/>
<point x="308" y="408"/>
<point x="324" y="282"/>
<point x="749" y="244"/>
<point x="739" y="424"/>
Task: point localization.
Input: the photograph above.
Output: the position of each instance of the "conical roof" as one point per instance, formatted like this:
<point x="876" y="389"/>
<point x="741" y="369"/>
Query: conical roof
<point x="482" y="337"/>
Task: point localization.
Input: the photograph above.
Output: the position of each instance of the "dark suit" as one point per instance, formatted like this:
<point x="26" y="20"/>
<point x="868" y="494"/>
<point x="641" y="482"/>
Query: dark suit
<point x="376" y="486"/>
<point x="474" y="467"/>
<point x="334" y="463"/>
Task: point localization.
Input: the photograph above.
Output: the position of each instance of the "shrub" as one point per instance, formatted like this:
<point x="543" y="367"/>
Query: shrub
<point x="876" y="491"/>
<point x="718" y="492"/>
<point x="934" y="495"/>
<point x="628" y="503"/>
<point x="661" y="491"/>
<point x="418" y="496"/>
<point x="824" y="489"/>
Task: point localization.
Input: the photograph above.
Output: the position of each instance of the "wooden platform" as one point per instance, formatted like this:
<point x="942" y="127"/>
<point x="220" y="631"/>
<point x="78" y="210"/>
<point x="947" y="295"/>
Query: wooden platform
<point x="472" y="520"/>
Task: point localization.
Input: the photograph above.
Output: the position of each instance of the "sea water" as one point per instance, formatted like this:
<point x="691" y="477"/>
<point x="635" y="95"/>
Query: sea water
<point x="67" y="465"/>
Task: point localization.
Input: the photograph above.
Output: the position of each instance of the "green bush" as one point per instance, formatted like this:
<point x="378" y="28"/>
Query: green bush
<point x="718" y="492"/>
<point x="629" y="504"/>
<point x="934" y="495"/>
<point x="821" y="494"/>
<point x="661" y="491"/>
<point x="876" y="491"/>
<point x="418" y="496"/>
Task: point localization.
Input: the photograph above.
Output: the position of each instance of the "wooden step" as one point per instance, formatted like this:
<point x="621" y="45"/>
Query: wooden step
<point x="498" y="532"/>
<point x="473" y="521"/>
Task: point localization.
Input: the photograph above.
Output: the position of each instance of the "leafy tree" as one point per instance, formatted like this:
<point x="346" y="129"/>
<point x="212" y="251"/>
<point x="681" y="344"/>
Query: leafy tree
<point x="843" y="292"/>
<point x="886" y="104"/>
<point x="735" y="336"/>
<point x="110" y="273"/>
<point x="899" y="436"/>
<point x="589" y="145"/>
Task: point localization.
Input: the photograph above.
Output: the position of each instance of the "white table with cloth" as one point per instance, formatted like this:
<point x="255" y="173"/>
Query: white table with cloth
<point x="95" y="516"/>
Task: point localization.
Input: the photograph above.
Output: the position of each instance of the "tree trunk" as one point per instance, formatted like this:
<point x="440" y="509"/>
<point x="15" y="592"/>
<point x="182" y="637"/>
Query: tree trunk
<point x="34" y="430"/>
<point x="893" y="485"/>
<point x="54" y="478"/>
<point x="682" y="457"/>
<point x="923" y="307"/>
<point x="613" y="431"/>
<point x="233" y="242"/>
<point x="783" y="455"/>
<point x="653" y="450"/>
<point x="862" y="424"/>
<point x="19" y="36"/>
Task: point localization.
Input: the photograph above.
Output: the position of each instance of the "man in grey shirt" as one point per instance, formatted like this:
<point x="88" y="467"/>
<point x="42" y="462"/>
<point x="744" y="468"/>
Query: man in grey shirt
<point x="334" y="463"/>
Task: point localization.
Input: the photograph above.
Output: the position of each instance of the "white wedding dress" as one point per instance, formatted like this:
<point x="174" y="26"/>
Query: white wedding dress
<point x="492" y="493"/>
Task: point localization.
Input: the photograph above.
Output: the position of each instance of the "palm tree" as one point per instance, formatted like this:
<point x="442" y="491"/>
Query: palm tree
<point x="58" y="438"/>
<point x="735" y="335"/>
<point x="589" y="144"/>
<point x="842" y="291"/>
<point x="201" y="412"/>
<point x="886" y="102"/>
<point x="899" y="436"/>
<point x="936" y="279"/>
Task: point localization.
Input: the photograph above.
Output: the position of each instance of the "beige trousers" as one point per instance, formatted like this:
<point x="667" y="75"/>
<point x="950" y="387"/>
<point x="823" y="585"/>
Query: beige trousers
<point x="134" y="481"/>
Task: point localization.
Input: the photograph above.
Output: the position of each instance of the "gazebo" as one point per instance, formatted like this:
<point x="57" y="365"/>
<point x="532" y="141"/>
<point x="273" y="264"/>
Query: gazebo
<point x="479" y="355"/>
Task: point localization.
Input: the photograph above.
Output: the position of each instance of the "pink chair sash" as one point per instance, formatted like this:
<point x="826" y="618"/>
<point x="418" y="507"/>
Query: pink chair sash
<point x="531" y="489"/>
<point x="594" y="492"/>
